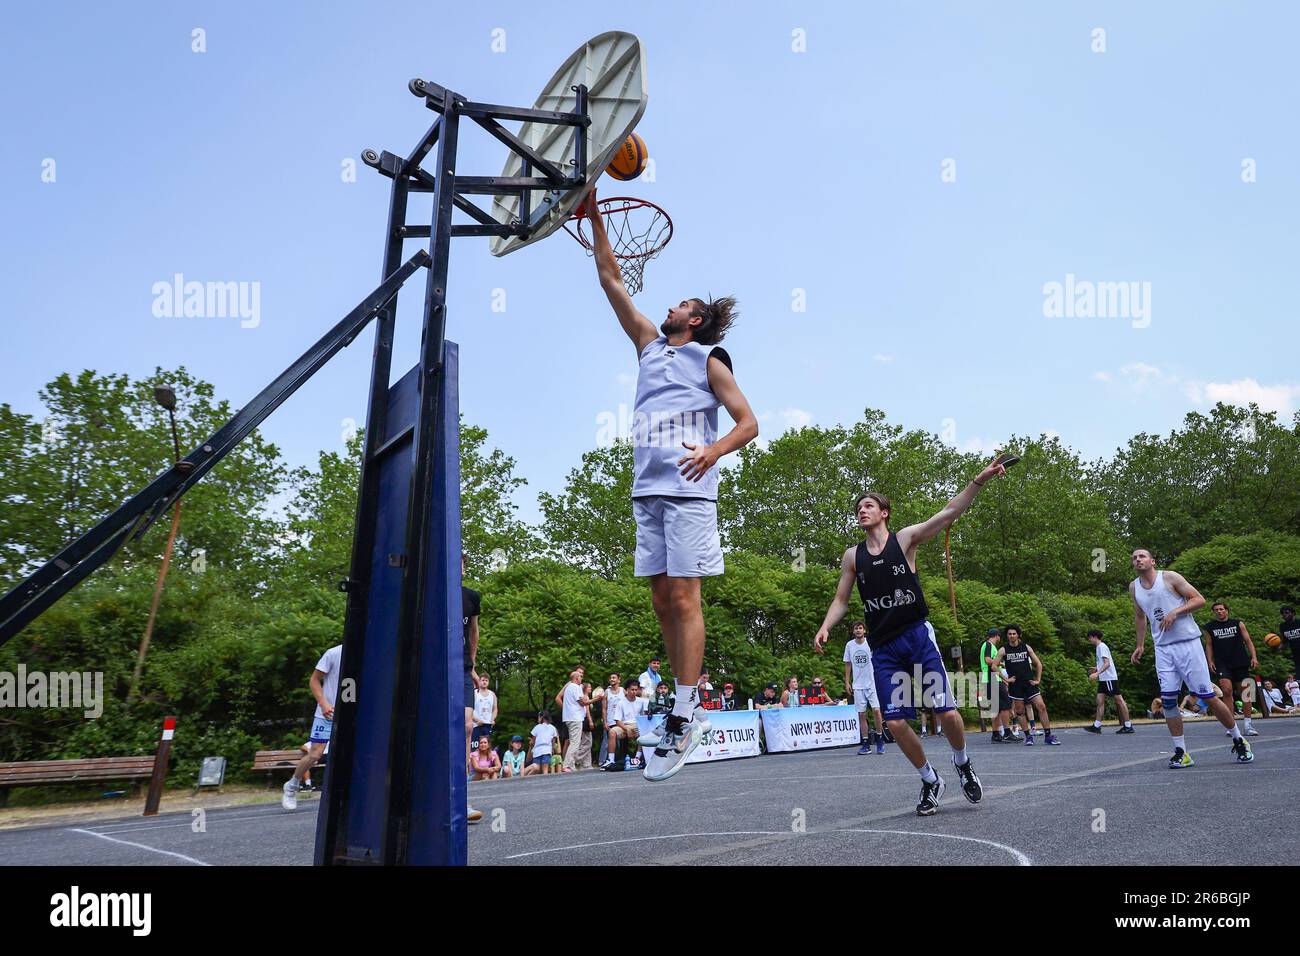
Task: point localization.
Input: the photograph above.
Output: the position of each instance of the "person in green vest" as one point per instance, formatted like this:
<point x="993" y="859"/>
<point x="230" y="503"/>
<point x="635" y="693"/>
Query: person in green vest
<point x="994" y="687"/>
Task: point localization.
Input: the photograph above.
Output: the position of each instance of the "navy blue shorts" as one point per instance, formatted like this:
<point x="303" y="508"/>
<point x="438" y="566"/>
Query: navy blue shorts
<point x="911" y="658"/>
<point x="469" y="689"/>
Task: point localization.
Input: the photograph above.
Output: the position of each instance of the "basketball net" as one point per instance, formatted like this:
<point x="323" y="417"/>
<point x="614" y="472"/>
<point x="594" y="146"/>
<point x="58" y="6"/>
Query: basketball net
<point x="638" y="230"/>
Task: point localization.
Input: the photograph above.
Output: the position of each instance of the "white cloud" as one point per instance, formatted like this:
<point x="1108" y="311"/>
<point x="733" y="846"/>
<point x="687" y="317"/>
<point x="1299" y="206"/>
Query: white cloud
<point x="883" y="359"/>
<point x="1140" y="375"/>
<point x="774" y="424"/>
<point x="1281" y="398"/>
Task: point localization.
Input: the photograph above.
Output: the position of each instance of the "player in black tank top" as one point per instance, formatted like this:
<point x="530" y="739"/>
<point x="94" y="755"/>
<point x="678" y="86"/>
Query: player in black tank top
<point x="1025" y="671"/>
<point x="883" y="566"/>
<point x="1231" y="653"/>
<point x="890" y="591"/>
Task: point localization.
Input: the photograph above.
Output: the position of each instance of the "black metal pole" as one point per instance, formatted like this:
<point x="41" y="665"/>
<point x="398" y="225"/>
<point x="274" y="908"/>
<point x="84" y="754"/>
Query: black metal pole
<point x="420" y="515"/>
<point x="331" y="836"/>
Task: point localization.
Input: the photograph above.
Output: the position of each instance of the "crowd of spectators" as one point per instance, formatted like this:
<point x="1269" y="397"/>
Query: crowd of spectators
<point x="598" y="727"/>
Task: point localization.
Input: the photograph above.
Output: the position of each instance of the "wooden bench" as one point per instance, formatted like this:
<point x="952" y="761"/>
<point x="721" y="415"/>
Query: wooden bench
<point x="270" y="761"/>
<point x="38" y="773"/>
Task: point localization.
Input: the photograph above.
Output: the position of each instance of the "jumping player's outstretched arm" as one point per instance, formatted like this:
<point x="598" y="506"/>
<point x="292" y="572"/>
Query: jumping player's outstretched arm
<point x="638" y="328"/>
<point x="917" y="534"/>
<point x="840" y="605"/>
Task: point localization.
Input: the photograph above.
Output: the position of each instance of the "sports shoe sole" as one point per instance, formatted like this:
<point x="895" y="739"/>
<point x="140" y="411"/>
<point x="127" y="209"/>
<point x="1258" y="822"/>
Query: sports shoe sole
<point x="698" y="733"/>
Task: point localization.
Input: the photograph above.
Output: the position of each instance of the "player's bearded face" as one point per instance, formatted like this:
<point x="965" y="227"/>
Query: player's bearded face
<point x="678" y="319"/>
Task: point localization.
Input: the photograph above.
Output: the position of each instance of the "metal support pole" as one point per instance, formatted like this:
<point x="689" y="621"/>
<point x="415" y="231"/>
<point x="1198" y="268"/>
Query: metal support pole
<point x="418" y="614"/>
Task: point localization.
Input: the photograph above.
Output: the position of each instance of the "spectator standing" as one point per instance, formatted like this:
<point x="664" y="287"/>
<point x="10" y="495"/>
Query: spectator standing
<point x="485" y="710"/>
<point x="471" y="605"/>
<point x="650" y="679"/>
<point x="583" y="760"/>
<point x="573" y="704"/>
<point x="1293" y="689"/>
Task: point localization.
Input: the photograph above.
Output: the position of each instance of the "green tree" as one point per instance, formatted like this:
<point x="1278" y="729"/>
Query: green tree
<point x="1234" y="471"/>
<point x="590" y="524"/>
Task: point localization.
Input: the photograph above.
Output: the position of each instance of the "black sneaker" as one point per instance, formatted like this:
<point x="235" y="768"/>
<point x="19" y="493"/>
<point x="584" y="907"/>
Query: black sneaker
<point x="930" y="794"/>
<point x="1124" y="730"/>
<point x="970" y="784"/>
<point x="996" y="738"/>
<point x="1093" y="729"/>
<point x="1242" y="750"/>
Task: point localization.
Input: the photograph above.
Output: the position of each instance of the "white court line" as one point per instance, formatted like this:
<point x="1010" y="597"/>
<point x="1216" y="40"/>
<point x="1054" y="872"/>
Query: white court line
<point x="666" y="836"/>
<point x="281" y="815"/>
<point x="1021" y="858"/>
<point x="179" y="856"/>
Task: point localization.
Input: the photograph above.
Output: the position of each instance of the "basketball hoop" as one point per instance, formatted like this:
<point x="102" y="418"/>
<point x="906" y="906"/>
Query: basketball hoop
<point x="638" y="231"/>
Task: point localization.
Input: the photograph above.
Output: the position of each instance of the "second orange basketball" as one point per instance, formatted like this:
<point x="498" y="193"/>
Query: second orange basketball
<point x="629" y="162"/>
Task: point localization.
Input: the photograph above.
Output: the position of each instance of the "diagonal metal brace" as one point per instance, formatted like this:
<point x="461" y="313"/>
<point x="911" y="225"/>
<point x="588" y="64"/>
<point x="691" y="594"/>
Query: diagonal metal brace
<point x="70" y="566"/>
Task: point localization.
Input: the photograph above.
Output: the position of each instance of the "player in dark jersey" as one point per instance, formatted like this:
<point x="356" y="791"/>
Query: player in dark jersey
<point x="1025" y="679"/>
<point x="901" y="639"/>
<point x="1230" y="651"/>
<point x="1289" y="631"/>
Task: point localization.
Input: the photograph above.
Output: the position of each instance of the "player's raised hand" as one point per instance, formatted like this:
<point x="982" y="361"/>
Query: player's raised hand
<point x="994" y="470"/>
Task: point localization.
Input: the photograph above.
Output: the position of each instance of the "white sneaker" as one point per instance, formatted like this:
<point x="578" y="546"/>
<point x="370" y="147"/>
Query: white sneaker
<point x="472" y="815"/>
<point x="289" y="795"/>
<point x="1250" y="732"/>
<point x="673" y="749"/>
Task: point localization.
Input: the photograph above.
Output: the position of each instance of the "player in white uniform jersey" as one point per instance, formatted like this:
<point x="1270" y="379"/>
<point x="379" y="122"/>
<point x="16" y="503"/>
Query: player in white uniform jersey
<point x="859" y="677"/>
<point x="683" y="377"/>
<point x="1166" y="601"/>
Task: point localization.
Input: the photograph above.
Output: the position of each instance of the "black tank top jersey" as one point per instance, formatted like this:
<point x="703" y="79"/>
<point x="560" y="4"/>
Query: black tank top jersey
<point x="1018" y="663"/>
<point x="890" y="592"/>
<point x="1229" y="648"/>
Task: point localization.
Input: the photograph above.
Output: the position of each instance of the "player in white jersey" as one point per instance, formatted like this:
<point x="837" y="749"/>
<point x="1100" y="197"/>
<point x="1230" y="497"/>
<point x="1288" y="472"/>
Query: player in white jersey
<point x="683" y="377"/>
<point x="1107" y="678"/>
<point x="1166" y="601"/>
<point x="861" y="680"/>
<point x="324" y="685"/>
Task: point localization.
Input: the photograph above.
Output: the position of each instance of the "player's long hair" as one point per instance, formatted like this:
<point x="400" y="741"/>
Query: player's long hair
<point x="718" y="315"/>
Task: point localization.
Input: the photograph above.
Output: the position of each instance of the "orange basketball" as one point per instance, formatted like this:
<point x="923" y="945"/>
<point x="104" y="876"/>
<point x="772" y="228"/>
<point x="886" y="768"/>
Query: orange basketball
<point x="629" y="162"/>
<point x="1273" y="641"/>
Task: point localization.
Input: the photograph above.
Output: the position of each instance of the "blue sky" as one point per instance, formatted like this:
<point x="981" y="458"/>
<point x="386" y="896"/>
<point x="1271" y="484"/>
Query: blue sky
<point x="797" y="147"/>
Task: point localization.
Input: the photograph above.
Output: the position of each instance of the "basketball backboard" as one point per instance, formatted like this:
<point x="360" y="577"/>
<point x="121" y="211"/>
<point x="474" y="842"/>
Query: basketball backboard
<point x="612" y="69"/>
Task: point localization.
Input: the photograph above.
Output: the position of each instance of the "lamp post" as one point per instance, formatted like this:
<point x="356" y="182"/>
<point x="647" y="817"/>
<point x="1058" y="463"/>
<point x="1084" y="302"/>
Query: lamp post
<point x="165" y="396"/>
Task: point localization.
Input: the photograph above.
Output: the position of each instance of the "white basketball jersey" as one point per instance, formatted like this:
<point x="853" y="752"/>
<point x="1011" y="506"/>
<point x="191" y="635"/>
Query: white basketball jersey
<point x="674" y="404"/>
<point x="1155" y="603"/>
